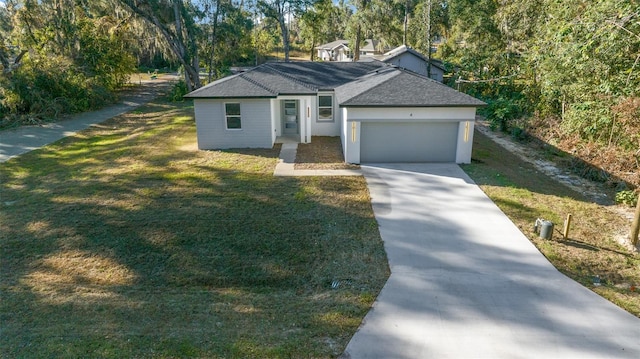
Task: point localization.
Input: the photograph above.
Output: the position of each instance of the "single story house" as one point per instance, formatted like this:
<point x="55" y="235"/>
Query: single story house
<point x="382" y="113"/>
<point x="335" y="51"/>
<point x="339" y="50"/>
<point x="371" y="48"/>
<point x="410" y="59"/>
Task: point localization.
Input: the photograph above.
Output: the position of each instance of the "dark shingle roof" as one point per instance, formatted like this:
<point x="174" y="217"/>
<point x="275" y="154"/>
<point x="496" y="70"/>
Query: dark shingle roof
<point x="356" y="84"/>
<point x="400" y="88"/>
<point x="325" y="75"/>
<point x="261" y="81"/>
<point x="356" y="87"/>
<point x="286" y="78"/>
<point x="233" y="86"/>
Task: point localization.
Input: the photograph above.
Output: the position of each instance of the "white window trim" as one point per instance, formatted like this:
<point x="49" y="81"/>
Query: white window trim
<point x="226" y="122"/>
<point x="333" y="112"/>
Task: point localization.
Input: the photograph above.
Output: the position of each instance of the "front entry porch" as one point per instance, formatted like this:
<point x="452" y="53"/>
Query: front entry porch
<point x="291" y="119"/>
<point x="288" y="139"/>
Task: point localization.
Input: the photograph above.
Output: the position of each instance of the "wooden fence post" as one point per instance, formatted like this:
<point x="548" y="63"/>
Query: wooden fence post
<point x="635" y="227"/>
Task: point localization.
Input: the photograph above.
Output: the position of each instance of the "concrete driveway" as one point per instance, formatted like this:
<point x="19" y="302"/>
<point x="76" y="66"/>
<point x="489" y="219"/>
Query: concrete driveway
<point x="466" y="283"/>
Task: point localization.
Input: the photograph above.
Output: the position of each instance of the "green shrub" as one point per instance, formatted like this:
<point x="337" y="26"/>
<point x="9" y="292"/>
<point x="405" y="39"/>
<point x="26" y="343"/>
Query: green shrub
<point x="45" y="88"/>
<point x="630" y="198"/>
<point x="501" y="111"/>
<point x="178" y="90"/>
<point x="592" y="120"/>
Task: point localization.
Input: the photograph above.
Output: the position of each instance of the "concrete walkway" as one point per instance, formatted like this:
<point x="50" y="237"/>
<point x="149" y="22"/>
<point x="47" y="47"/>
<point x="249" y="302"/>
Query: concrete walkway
<point x="286" y="165"/>
<point x="14" y="142"/>
<point x="466" y="283"/>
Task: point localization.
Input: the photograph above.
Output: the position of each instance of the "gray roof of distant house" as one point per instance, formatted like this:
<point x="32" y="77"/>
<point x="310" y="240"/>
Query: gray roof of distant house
<point x="332" y="45"/>
<point x="355" y="84"/>
<point x="369" y="45"/>
<point x="405" y="49"/>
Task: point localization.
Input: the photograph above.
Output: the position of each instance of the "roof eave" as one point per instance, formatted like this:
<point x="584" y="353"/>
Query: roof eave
<point x="297" y="93"/>
<point x="225" y="97"/>
<point x="413" y="105"/>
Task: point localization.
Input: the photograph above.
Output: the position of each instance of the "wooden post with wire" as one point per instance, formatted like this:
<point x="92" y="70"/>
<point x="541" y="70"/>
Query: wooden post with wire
<point x="567" y="225"/>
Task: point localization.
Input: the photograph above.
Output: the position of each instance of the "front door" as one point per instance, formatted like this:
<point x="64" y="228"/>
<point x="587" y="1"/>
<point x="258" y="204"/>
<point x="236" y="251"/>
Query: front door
<point x="290" y="117"/>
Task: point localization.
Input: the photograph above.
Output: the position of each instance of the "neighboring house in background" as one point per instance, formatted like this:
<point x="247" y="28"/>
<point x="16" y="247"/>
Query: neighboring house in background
<point x="335" y="51"/>
<point x="371" y="48"/>
<point x="339" y="50"/>
<point x="410" y="59"/>
<point x="382" y="113"/>
<point x="402" y="56"/>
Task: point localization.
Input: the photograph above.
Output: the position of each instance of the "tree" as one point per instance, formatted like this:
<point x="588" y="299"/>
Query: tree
<point x="590" y="62"/>
<point x="5" y="30"/>
<point x="311" y="28"/>
<point x="323" y="22"/>
<point x="175" y="22"/>
<point x="61" y="56"/>
<point x="214" y="16"/>
<point x="228" y="35"/>
<point x="376" y="19"/>
<point x="278" y="10"/>
<point x="419" y="36"/>
<point x="265" y="38"/>
<point x="408" y="7"/>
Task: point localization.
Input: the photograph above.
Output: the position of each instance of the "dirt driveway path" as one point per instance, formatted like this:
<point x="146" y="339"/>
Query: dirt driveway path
<point x="14" y="142"/>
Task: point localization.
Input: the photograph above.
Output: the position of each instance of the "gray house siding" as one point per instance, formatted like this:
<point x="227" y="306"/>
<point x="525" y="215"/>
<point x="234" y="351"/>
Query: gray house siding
<point x="324" y="127"/>
<point x="413" y="63"/>
<point x="212" y="129"/>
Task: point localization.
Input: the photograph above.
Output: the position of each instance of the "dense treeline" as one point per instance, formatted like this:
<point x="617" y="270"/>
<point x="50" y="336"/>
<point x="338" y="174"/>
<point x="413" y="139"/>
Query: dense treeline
<point x="64" y="56"/>
<point x="566" y="71"/>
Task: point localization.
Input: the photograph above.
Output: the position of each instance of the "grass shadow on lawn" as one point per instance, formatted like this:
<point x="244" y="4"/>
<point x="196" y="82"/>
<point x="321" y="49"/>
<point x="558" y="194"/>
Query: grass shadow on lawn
<point x="125" y="241"/>
<point x="591" y="250"/>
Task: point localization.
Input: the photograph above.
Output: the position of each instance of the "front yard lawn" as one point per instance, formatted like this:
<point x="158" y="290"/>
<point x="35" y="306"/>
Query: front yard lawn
<point x="126" y="241"/>
<point x="592" y="254"/>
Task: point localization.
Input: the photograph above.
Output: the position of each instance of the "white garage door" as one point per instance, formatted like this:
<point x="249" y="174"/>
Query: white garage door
<point x="408" y="142"/>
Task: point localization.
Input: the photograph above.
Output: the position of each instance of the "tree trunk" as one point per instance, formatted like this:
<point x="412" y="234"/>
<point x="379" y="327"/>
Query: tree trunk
<point x="285" y="36"/>
<point x="178" y="20"/>
<point x="313" y="48"/>
<point x="214" y="39"/>
<point x="635" y="227"/>
<point x="406" y="22"/>
<point x="429" y="38"/>
<point x="356" y="51"/>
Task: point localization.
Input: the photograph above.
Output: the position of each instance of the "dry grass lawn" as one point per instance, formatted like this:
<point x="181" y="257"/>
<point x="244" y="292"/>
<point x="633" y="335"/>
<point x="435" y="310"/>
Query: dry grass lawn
<point x="125" y="241"/>
<point x="591" y="253"/>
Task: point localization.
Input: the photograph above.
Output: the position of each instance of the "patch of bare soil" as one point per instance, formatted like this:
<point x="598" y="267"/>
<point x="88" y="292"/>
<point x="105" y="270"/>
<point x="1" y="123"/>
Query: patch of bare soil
<point x="323" y="153"/>
<point x="589" y="189"/>
<point x="599" y="193"/>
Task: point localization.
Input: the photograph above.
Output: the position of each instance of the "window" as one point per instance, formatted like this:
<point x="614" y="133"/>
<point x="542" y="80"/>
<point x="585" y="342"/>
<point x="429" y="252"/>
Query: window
<point x="232" y="115"/>
<point x="325" y="108"/>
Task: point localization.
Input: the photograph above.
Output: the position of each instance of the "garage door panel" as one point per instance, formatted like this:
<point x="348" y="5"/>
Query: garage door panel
<point x="408" y="142"/>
